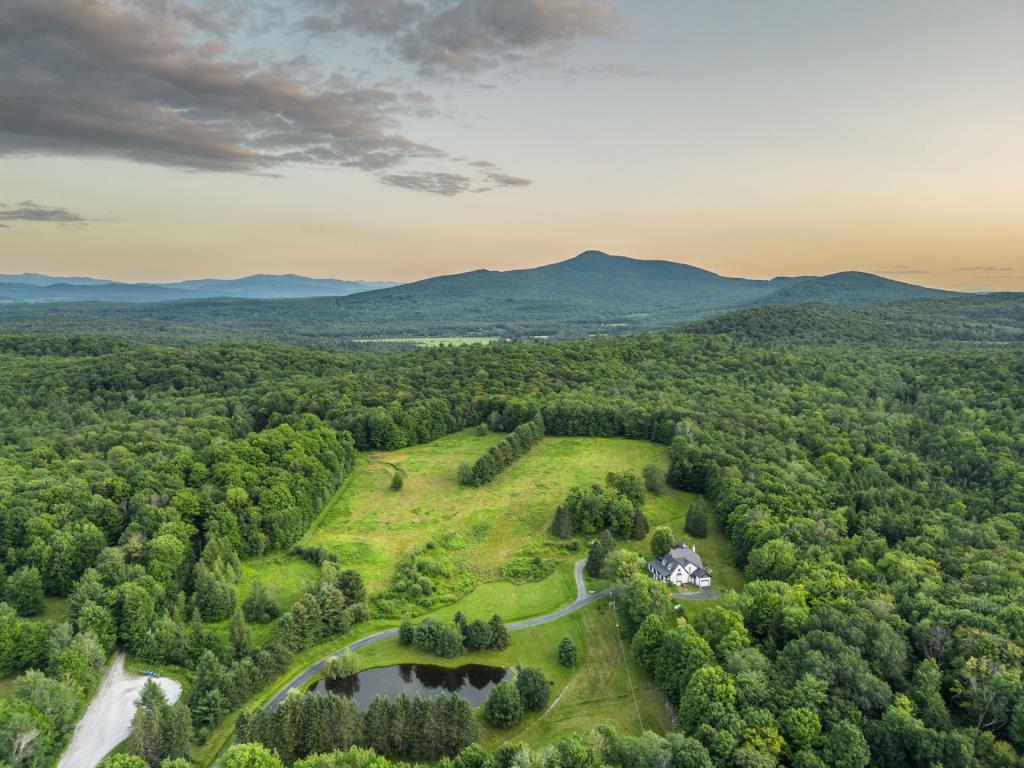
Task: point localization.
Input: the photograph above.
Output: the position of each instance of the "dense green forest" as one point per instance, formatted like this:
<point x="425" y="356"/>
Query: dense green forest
<point x="867" y="465"/>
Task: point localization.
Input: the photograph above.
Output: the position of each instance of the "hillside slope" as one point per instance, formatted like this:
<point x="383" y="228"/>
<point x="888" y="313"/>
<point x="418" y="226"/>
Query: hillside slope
<point x="592" y="293"/>
<point x="36" y="288"/>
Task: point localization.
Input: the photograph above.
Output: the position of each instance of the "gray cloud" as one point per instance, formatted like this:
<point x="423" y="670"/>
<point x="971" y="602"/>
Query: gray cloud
<point x="26" y="210"/>
<point x="368" y="17"/>
<point x="985" y="269"/>
<point x="157" y="82"/>
<point x="504" y="180"/>
<point x="442" y="37"/>
<point x="432" y="182"/>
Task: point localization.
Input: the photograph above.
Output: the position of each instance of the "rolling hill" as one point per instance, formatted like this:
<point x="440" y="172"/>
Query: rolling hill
<point x="34" y="287"/>
<point x="592" y="293"/>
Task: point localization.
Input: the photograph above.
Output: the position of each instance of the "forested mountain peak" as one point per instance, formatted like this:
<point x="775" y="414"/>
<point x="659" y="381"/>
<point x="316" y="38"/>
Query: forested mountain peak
<point x="592" y="293"/>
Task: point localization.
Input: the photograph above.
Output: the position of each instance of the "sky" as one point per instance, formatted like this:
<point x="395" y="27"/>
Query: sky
<point x="394" y="140"/>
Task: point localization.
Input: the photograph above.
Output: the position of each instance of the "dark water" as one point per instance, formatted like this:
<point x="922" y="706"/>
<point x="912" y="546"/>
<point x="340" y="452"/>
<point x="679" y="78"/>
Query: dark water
<point x="471" y="681"/>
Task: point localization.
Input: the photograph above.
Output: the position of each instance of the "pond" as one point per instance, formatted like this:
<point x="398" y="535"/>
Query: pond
<point x="471" y="681"/>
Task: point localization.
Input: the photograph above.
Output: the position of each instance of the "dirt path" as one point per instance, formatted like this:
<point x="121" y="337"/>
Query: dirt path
<point x="582" y="598"/>
<point x="108" y="719"/>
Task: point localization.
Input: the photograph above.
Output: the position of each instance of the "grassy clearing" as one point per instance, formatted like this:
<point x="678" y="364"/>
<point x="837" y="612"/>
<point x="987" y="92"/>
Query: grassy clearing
<point x="54" y="609"/>
<point x="371" y="527"/>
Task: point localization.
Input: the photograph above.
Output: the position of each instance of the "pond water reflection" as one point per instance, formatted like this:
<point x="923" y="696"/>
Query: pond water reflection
<point x="471" y="681"/>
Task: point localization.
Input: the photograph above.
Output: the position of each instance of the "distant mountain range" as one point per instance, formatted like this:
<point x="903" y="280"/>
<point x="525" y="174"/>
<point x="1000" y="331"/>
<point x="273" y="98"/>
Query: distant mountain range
<point x="592" y="293"/>
<point x="34" y="287"/>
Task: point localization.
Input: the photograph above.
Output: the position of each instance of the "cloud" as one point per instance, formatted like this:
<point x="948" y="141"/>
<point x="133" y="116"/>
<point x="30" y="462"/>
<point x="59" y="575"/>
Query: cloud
<point x="901" y="269"/>
<point x="445" y="37"/>
<point x="26" y="210"/>
<point x="158" y="82"/>
<point x="435" y="183"/>
<point x="985" y="269"/>
<point x="504" y="180"/>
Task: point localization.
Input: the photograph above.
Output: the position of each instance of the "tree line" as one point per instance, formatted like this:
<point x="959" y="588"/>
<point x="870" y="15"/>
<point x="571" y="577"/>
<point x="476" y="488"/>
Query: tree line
<point x="500" y="456"/>
<point x="452" y="638"/>
<point x="409" y="728"/>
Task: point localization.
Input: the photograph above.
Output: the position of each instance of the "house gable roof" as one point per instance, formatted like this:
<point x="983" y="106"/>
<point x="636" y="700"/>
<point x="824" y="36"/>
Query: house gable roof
<point x="678" y="557"/>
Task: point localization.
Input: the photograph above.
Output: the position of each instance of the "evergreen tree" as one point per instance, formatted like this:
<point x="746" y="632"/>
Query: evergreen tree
<point x="504" y="707"/>
<point x="397" y="480"/>
<point x="238" y="634"/>
<point x="479" y="635"/>
<point x="499" y="633"/>
<point x="533" y="687"/>
<point x="696" y="520"/>
<point x="596" y="555"/>
<point x="406" y="632"/>
<point x="567" y="652"/>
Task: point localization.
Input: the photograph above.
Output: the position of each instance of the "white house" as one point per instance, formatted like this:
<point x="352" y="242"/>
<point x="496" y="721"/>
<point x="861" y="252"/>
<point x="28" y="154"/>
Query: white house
<point x="682" y="565"/>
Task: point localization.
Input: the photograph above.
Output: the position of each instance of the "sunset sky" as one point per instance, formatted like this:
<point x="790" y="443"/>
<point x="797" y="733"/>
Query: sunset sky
<point x="399" y="139"/>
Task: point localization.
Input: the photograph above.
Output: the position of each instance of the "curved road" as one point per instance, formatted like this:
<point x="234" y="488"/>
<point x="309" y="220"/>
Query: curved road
<point x="583" y="598"/>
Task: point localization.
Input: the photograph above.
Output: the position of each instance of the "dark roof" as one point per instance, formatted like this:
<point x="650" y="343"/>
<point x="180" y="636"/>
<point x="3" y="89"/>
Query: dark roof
<point x="685" y="554"/>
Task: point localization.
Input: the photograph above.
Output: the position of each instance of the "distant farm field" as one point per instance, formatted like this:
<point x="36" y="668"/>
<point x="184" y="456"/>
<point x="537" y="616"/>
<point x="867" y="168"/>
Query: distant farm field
<point x="432" y="341"/>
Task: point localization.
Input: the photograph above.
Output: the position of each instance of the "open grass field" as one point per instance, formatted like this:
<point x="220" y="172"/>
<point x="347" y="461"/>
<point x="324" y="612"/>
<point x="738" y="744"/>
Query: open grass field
<point x="433" y="341"/>
<point x="371" y="527"/>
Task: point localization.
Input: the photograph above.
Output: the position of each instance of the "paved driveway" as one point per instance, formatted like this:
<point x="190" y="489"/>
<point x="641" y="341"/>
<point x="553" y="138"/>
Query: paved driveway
<point x="582" y="598"/>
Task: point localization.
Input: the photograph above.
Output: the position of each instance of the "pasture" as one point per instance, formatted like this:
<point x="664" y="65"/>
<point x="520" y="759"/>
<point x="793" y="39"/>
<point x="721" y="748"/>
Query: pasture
<point x="371" y="527"/>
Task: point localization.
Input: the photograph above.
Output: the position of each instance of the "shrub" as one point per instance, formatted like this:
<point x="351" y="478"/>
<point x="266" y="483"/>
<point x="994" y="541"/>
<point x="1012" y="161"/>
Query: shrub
<point x="438" y="637"/>
<point x="315" y="555"/>
<point x="504" y="707"/>
<point x="343" y="665"/>
<point x="397" y="480"/>
<point x="520" y="570"/>
<point x="654" y="479"/>
<point x="259" y="607"/>
<point x="567" y="652"/>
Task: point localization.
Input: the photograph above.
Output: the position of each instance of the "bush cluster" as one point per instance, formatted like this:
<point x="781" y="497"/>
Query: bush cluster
<point x="616" y="506"/>
<point x="451" y="638"/>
